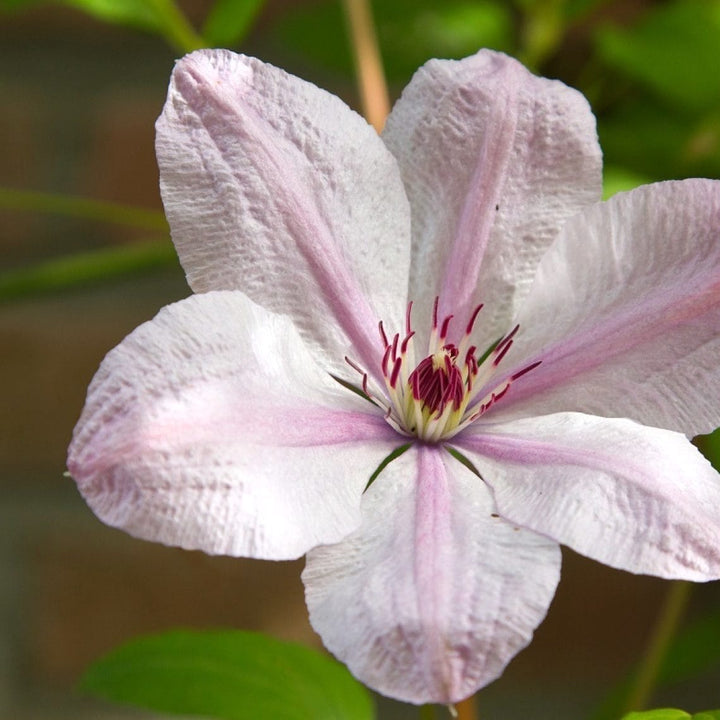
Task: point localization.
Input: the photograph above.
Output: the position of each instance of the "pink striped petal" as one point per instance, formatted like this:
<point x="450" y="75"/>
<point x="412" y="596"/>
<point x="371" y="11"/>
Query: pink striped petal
<point x="625" y="313"/>
<point x="633" y="497"/>
<point x="211" y="427"/>
<point x="494" y="160"/>
<point x="432" y="596"/>
<point x="276" y="188"/>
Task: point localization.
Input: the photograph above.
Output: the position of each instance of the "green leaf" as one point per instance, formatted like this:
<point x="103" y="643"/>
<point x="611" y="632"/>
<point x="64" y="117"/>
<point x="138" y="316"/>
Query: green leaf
<point x="159" y="16"/>
<point x="85" y="268"/>
<point x="707" y="715"/>
<point x="674" y="51"/>
<point x="81" y="207"/>
<point x="227" y="674"/>
<point x="136" y="13"/>
<point x="662" y="714"/>
<point x="16" y="5"/>
<point x="229" y="21"/>
<point x="452" y="29"/>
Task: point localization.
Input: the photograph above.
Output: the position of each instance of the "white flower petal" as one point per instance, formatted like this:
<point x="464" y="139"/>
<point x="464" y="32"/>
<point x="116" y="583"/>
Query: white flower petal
<point x="274" y="187"/>
<point x="432" y="596"/>
<point x="494" y="159"/>
<point x="633" y="497"/>
<point x="625" y="313"/>
<point x="211" y="427"/>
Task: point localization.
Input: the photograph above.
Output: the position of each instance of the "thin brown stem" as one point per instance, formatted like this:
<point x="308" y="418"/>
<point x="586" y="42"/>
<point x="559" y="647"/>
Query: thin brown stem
<point x="467" y="709"/>
<point x="368" y="63"/>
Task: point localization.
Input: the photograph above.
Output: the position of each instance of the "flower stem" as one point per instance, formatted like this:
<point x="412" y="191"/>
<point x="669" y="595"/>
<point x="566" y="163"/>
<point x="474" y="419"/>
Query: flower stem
<point x="368" y="63"/>
<point x="467" y="709"/>
<point x="85" y="208"/>
<point x="666" y="626"/>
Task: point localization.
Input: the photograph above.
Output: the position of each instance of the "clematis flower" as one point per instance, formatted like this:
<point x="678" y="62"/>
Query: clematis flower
<point x="453" y="289"/>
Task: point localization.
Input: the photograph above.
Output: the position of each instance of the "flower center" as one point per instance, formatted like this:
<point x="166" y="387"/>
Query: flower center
<point x="437" y="380"/>
<point x="448" y="389"/>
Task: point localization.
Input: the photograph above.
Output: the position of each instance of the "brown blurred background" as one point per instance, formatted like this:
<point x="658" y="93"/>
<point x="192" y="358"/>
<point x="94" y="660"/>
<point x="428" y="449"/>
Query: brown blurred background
<point x="79" y="100"/>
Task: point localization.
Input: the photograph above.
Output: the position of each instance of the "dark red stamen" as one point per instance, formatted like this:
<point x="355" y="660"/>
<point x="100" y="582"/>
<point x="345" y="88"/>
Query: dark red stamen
<point x="437" y="386"/>
<point x="395" y="372"/>
<point x="473" y="317"/>
<point x="470" y="356"/>
<point x="386" y="357"/>
<point x="414" y="381"/>
<point x="445" y="327"/>
<point x="383" y="336"/>
<point x="357" y="368"/>
<point x="403" y="347"/>
<point x="527" y="369"/>
<point x="444" y="381"/>
<point x="501" y="393"/>
<point x="503" y="352"/>
<point x="508" y="338"/>
<point x="394" y="346"/>
<point x="354" y="365"/>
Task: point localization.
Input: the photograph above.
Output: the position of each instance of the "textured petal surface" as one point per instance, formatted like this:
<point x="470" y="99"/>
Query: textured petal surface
<point x="431" y="597"/>
<point x="210" y="427"/>
<point x="633" y="497"/>
<point x="276" y="188"/>
<point x="494" y="159"/>
<point x="625" y="312"/>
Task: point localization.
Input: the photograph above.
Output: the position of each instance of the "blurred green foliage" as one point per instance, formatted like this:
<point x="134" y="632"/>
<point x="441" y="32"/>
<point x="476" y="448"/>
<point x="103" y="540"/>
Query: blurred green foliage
<point x="672" y="714"/>
<point x="135" y="13"/>
<point x="693" y="653"/>
<point x="229" y="21"/>
<point x="87" y="268"/>
<point x="660" y="108"/>
<point x="410" y="32"/>
<point x="228" y="674"/>
<point x="673" y="52"/>
<point x="649" y="68"/>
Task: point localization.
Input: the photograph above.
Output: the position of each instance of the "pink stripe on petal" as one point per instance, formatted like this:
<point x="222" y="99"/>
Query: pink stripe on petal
<point x="458" y="290"/>
<point x="433" y="595"/>
<point x="494" y="160"/>
<point x="211" y="427"/>
<point x="637" y="498"/>
<point x="635" y="332"/>
<point x="433" y="565"/>
<point x="274" y="187"/>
